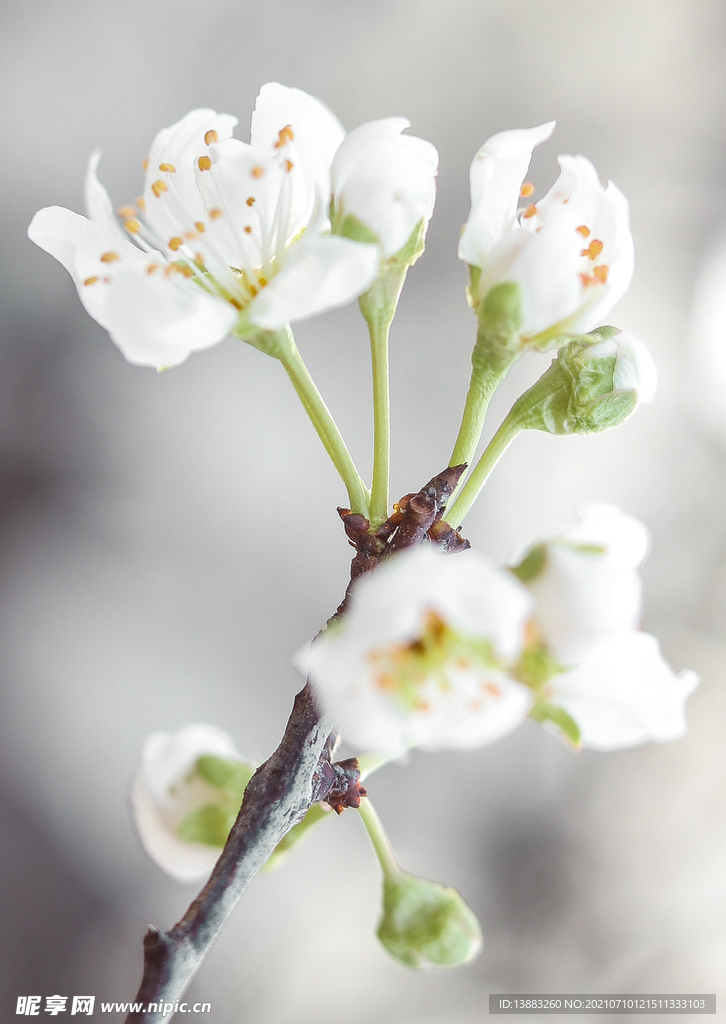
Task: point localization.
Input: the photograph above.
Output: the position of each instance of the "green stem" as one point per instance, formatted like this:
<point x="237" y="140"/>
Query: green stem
<point x="509" y="429"/>
<point x="484" y="382"/>
<point x="379" y="840"/>
<point x="287" y="352"/>
<point x="381" y="421"/>
<point x="370" y="762"/>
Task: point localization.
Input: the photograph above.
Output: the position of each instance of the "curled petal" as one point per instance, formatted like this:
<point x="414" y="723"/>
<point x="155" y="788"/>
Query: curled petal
<point x="386" y="180"/>
<point x="318" y="274"/>
<point x="496" y="175"/>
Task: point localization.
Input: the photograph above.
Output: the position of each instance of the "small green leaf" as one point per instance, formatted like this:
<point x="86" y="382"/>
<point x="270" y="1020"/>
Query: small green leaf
<point x="546" y="712"/>
<point x="224" y="773"/>
<point x="531" y="565"/>
<point x="209" y="825"/>
<point x="351" y="227"/>
<point x="536" y="667"/>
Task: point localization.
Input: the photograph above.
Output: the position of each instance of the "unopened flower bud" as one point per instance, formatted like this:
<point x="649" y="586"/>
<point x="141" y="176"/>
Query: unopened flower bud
<point x="595" y="382"/>
<point x="425" y="924"/>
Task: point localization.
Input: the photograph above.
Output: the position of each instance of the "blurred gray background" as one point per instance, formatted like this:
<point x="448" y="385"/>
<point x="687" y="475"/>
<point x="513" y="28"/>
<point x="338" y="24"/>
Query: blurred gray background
<point x="168" y="541"/>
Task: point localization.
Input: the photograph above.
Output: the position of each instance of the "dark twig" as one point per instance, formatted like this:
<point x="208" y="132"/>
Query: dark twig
<point x="298" y="774"/>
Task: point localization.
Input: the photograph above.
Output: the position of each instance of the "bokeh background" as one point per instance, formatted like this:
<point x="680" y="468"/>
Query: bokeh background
<point x="168" y="541"/>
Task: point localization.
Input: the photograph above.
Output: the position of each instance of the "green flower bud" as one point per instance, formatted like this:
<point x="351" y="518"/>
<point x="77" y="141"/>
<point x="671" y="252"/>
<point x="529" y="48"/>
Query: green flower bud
<point x="595" y="382"/>
<point x="425" y="924"/>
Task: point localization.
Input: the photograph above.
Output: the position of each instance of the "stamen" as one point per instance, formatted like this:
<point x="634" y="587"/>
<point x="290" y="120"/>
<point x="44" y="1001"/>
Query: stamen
<point x="152" y="268"/>
<point x="158" y="187"/>
<point x="127" y="211"/>
<point x="526" y="190"/>
<point x="189" y="236"/>
<point x="215" y="213"/>
<point x="110" y="257"/>
<point x="132" y="226"/>
<point x="186" y="270"/>
<point x="145" y="164"/>
<point x="584" y="230"/>
<point x="587" y="281"/>
<point x="593" y="250"/>
<point x="141" y="203"/>
<point x="167" y="168"/>
<point x="251" y="201"/>
<point x="257" y="172"/>
<point x="199" y="226"/>
<point x="601" y="273"/>
<point x="210" y="137"/>
<point x="530" y="211"/>
<point x="204" y="163"/>
<point x="91" y="280"/>
<point x="176" y="243"/>
<point x="286" y="135"/>
<point x="289" y="165"/>
<point x="248" y="229"/>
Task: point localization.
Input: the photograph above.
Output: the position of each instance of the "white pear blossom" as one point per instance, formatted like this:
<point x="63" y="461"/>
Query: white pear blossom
<point x="571" y="253"/>
<point x="615" y="684"/>
<point x="225" y="235"/>
<point x="170" y="787"/>
<point x="386" y="181"/>
<point x="421" y="656"/>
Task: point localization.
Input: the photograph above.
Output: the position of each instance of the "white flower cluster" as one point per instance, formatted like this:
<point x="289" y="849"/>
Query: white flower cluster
<point x="234" y="236"/>
<point x="438" y="651"/>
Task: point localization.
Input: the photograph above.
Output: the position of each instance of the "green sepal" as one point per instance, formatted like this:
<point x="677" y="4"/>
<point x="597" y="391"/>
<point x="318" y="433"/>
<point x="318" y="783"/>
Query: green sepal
<point x="532" y="564"/>
<point x="425" y="924"/>
<point x="317" y="812"/>
<point x="354" y="229"/>
<point x="543" y="711"/>
<point x="536" y="667"/>
<point x="209" y="825"/>
<point x="222" y="773"/>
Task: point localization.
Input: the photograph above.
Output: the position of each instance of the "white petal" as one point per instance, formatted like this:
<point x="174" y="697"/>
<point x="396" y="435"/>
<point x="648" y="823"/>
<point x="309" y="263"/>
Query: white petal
<point x="167" y="757"/>
<point x="318" y="274"/>
<point x="317" y="135"/>
<point x="496" y="175"/>
<point x="186" y="862"/>
<point x="155" y="320"/>
<point x="386" y="180"/>
<point x="634" y="368"/>
<point x="174" y="211"/>
<point x="98" y="202"/>
<point x="625" y="694"/>
<point x="624" y="537"/>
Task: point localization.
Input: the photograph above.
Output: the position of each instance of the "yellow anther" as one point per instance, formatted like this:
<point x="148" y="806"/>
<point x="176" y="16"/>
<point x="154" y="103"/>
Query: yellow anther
<point x="248" y="229"/>
<point x="176" y="243"/>
<point x="110" y="257"/>
<point x="199" y="226"/>
<point x="210" y="137"/>
<point x="593" y="250"/>
<point x="257" y="172"/>
<point x="286" y="135"/>
<point x="158" y="187"/>
<point x="167" y="168"/>
<point x="127" y="211"/>
<point x="584" y="230"/>
<point x="152" y="268"/>
<point x="204" y="163"/>
<point x="530" y="211"/>
<point x="186" y="270"/>
<point x="199" y="258"/>
<point x="145" y="164"/>
<point x="601" y="273"/>
<point x="132" y="226"/>
<point x="587" y="280"/>
<point x="91" y="280"/>
<point x="526" y="190"/>
<point x="262" y="281"/>
<point x="251" y="201"/>
<point x="189" y="236"/>
<point x="141" y="203"/>
<point x="215" y="213"/>
<point x="289" y="165"/>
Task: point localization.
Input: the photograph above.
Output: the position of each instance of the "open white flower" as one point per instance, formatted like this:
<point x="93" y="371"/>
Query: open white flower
<point x="571" y="253"/>
<point x="615" y="684"/>
<point x="186" y="796"/>
<point x="421" y="656"/>
<point x="385" y="181"/>
<point x="226" y="235"/>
